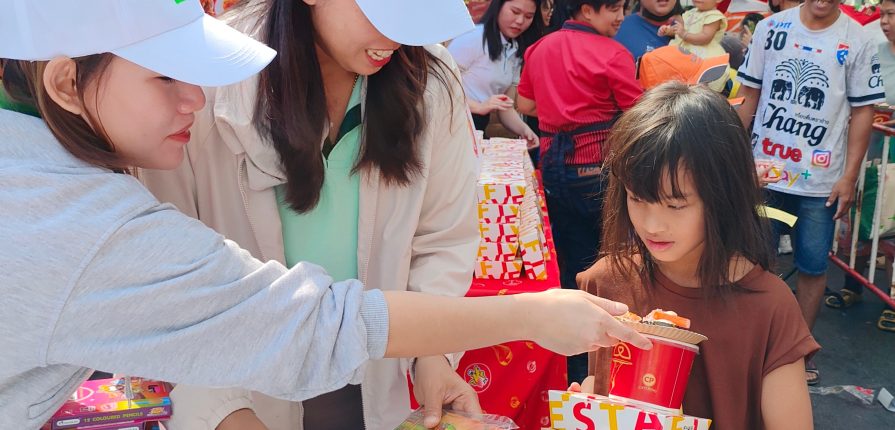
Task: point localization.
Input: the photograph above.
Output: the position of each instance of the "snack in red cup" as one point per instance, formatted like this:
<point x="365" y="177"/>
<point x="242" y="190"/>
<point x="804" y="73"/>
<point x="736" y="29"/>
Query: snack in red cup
<point x="656" y="378"/>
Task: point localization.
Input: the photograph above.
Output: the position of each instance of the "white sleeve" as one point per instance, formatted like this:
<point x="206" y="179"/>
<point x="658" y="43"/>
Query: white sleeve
<point x="165" y="297"/>
<point x="466" y="49"/>
<point x="751" y="72"/>
<point x="864" y="83"/>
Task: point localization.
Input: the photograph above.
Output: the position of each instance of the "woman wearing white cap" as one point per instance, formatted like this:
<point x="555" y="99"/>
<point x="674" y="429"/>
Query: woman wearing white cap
<point x="353" y="150"/>
<point x="99" y="274"/>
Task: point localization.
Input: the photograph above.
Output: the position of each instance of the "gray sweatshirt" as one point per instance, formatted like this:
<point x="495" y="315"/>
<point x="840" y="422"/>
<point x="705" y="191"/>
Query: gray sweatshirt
<point x="97" y="274"/>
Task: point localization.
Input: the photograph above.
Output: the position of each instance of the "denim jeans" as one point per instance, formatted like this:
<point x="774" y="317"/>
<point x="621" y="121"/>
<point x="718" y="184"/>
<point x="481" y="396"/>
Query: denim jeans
<point x="574" y="201"/>
<point x="812" y="235"/>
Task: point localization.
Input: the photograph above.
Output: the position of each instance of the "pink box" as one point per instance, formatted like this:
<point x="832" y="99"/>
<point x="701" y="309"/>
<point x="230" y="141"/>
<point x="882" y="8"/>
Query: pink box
<point x="113" y="401"/>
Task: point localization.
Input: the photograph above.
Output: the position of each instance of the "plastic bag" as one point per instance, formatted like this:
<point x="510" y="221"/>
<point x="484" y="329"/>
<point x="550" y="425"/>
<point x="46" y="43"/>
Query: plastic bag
<point x="863" y="395"/>
<point x="455" y="420"/>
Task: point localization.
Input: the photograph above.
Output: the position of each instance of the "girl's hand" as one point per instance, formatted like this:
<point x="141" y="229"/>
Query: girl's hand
<point x="665" y="30"/>
<point x="678" y="29"/>
<point x="533" y="140"/>
<point x="498" y="102"/>
<point x="437" y="385"/>
<point x="570" y="322"/>
<point x="586" y="386"/>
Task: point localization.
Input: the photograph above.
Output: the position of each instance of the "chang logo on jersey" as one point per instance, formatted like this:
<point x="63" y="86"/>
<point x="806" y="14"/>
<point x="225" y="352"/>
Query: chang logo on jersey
<point x="778" y="118"/>
<point x="875" y="80"/>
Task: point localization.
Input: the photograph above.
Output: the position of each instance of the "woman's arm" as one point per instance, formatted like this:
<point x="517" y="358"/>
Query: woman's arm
<point x="785" y="403"/>
<point x="565" y="321"/>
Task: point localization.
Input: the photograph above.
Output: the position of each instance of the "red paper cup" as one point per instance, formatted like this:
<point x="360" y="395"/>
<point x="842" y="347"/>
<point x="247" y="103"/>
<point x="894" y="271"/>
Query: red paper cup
<point x="657" y="377"/>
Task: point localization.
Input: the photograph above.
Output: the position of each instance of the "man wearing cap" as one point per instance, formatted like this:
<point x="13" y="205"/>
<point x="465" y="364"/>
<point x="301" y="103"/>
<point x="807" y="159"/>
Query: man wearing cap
<point x="577" y="81"/>
<point x="810" y="79"/>
<point x="639" y="32"/>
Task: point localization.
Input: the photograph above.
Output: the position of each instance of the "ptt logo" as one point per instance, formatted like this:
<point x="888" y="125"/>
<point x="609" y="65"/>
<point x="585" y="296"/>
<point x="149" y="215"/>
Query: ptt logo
<point x="779" y="24"/>
<point x="821" y="158"/>
<point x="478" y="376"/>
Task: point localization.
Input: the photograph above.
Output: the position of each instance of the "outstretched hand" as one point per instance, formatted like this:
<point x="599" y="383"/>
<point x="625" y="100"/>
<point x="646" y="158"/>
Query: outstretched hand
<point x="570" y="322"/>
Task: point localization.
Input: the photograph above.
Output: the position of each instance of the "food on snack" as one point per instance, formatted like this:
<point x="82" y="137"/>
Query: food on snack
<point x="666" y="318"/>
<point x="629" y="317"/>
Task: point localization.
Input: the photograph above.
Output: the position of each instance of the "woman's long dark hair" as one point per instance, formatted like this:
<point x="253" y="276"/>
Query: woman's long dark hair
<point x="676" y="127"/>
<point x="291" y="106"/>
<point x="491" y="36"/>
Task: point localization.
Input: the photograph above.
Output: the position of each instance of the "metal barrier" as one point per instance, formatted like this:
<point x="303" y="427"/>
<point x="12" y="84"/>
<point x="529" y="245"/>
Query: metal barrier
<point x="888" y="129"/>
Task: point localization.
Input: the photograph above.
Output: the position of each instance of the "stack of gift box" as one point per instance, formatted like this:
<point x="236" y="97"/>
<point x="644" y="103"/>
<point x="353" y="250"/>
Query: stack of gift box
<point x="510" y="219"/>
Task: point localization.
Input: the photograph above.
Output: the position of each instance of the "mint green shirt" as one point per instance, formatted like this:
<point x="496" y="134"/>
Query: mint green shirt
<point x="7" y="104"/>
<point x="327" y="235"/>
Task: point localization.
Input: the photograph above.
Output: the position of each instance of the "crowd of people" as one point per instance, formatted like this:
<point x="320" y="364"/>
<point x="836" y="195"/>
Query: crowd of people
<point x="274" y="209"/>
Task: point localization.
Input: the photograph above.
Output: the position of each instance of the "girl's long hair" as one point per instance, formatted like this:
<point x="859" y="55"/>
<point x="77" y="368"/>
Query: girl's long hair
<point x="675" y="127"/>
<point x="491" y="36"/>
<point x="291" y="106"/>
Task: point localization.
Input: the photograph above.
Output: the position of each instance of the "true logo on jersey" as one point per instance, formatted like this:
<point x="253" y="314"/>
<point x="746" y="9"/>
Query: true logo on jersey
<point x="820" y="158"/>
<point x="841" y="53"/>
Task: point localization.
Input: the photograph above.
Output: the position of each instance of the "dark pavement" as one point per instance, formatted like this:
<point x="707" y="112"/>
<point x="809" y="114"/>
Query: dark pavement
<point x="854" y="352"/>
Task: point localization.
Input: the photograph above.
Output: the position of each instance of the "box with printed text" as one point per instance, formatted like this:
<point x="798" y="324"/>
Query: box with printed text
<point x="572" y="411"/>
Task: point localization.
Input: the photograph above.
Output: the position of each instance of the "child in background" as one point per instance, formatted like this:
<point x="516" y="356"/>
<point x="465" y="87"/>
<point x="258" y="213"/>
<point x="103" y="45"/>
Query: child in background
<point x="700" y="32"/>
<point x="683" y="233"/>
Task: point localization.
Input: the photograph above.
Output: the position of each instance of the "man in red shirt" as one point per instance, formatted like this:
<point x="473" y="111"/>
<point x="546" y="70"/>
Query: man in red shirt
<point x="577" y="81"/>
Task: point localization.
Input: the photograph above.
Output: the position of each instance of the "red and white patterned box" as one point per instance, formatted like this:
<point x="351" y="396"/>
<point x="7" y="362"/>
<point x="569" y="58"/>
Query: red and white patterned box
<point x="498" y="269"/>
<point x="498" y="251"/>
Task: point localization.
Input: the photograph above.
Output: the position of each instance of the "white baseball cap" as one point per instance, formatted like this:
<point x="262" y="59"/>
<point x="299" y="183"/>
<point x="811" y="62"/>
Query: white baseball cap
<point x="418" y="22"/>
<point x="174" y="38"/>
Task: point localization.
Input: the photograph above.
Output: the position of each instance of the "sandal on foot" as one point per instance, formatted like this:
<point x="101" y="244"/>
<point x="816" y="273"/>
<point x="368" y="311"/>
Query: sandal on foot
<point x="812" y="375"/>
<point x="845" y="298"/>
<point x="886" y="321"/>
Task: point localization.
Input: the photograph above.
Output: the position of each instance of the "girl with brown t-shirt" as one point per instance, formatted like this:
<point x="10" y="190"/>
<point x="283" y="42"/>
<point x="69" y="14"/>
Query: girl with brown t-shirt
<point x="683" y="232"/>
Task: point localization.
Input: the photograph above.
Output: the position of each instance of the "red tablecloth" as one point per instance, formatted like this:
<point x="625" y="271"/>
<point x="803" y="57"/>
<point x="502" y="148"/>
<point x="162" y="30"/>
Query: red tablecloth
<point x="512" y="379"/>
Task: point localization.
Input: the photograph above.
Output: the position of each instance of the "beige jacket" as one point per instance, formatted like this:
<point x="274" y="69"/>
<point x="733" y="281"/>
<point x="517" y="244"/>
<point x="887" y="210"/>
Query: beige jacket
<point x="421" y="237"/>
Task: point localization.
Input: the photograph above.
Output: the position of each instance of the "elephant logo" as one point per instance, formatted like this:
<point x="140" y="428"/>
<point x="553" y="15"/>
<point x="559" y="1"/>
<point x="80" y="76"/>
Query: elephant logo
<point x="811" y="97"/>
<point x="800" y="82"/>
<point x="781" y="89"/>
